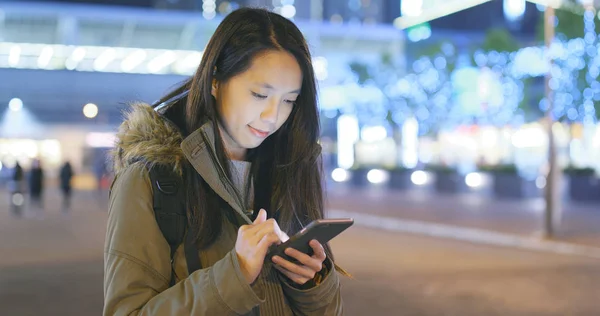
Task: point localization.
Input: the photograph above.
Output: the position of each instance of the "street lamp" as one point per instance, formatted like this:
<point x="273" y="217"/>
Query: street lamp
<point x="15" y="104"/>
<point x="90" y="110"/>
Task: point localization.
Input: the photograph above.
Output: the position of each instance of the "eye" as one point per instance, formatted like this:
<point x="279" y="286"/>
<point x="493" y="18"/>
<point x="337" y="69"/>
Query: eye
<point x="291" y="102"/>
<point x="259" y="96"/>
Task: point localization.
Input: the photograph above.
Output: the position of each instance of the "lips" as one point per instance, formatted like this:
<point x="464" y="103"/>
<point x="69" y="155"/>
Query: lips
<point x="258" y="133"/>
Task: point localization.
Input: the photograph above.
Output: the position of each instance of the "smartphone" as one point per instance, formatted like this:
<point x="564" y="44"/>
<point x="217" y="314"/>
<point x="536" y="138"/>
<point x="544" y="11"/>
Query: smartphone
<point x="323" y="230"/>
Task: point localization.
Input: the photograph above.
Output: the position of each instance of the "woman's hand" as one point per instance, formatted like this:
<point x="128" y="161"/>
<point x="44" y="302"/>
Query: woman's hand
<point x="253" y="242"/>
<point x="307" y="265"/>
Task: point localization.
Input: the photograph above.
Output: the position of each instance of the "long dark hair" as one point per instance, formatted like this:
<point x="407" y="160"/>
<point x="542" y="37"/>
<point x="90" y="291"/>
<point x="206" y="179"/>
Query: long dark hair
<point x="286" y="167"/>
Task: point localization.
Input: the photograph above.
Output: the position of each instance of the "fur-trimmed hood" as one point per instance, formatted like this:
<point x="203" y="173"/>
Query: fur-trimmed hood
<point x="146" y="136"/>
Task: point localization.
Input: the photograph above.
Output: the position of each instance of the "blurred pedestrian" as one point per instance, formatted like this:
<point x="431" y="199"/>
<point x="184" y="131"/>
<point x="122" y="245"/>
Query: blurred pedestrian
<point x="15" y="189"/>
<point x="66" y="174"/>
<point x="36" y="185"/>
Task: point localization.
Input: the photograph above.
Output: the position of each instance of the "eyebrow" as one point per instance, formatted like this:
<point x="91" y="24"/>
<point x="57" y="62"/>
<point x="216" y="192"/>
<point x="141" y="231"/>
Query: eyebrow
<point x="268" y="86"/>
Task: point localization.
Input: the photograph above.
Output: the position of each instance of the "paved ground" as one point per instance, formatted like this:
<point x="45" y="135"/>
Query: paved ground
<point x="580" y="223"/>
<point x="410" y="275"/>
<point x="52" y="265"/>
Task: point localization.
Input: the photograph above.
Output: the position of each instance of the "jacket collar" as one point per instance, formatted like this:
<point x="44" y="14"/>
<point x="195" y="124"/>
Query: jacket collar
<point x="199" y="150"/>
<point x="147" y="135"/>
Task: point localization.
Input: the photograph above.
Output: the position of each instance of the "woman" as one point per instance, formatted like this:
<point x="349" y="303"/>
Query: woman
<point x="242" y="133"/>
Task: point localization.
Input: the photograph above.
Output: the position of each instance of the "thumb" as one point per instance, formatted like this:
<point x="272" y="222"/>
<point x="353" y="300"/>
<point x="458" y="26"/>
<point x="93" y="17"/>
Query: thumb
<point x="262" y="216"/>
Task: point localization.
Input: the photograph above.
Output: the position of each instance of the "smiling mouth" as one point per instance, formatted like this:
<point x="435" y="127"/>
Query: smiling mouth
<point x="258" y="133"/>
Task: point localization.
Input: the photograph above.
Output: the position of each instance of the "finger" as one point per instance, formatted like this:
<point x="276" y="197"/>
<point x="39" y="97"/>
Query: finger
<point x="318" y="250"/>
<point x="261" y="217"/>
<point x="269" y="226"/>
<point x="260" y="223"/>
<point x="292" y="276"/>
<point x="248" y="232"/>
<point x="265" y="242"/>
<point x="282" y="235"/>
<point x="262" y="229"/>
<point x="314" y="264"/>
<point x="300" y="270"/>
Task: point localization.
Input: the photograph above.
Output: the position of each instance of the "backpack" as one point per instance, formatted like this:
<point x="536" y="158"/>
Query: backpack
<point x="170" y="213"/>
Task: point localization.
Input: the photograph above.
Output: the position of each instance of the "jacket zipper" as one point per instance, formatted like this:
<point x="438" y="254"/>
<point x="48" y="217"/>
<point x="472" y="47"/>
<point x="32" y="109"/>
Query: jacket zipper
<point x="223" y="175"/>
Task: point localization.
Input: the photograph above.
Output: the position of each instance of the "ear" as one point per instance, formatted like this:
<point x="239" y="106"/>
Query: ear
<point x="215" y="88"/>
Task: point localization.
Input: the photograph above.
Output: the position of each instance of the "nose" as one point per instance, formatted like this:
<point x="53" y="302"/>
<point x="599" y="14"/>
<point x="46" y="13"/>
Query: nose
<point x="270" y="112"/>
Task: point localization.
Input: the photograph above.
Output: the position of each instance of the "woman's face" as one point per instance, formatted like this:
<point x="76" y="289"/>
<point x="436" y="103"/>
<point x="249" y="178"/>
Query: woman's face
<point x="254" y="104"/>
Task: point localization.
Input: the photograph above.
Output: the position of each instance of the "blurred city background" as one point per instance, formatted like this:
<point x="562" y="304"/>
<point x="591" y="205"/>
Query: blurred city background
<point x="462" y="135"/>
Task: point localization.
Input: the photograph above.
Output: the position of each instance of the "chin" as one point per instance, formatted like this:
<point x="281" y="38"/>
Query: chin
<point x="253" y="145"/>
<point x="250" y="143"/>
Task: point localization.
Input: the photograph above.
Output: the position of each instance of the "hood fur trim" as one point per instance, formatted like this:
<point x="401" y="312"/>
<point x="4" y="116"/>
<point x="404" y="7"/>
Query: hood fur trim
<point x="146" y="136"/>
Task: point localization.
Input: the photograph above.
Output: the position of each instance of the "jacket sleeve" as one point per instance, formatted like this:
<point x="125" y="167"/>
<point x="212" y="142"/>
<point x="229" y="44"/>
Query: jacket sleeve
<point x="137" y="265"/>
<point x="322" y="299"/>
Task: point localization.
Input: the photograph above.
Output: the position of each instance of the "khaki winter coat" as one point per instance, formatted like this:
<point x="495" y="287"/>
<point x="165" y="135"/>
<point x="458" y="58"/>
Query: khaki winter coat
<point x="136" y="256"/>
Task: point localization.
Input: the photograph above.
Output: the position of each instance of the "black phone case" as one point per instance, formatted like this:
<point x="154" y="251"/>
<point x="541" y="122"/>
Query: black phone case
<point x="321" y="230"/>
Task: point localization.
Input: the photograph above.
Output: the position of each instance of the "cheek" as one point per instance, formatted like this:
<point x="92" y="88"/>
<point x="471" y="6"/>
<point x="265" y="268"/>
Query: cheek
<point x="234" y="115"/>
<point x="284" y="116"/>
<point x="227" y="117"/>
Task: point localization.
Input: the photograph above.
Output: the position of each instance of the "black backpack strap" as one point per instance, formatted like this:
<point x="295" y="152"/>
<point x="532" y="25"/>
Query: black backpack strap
<point x="191" y="253"/>
<point x="169" y="208"/>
